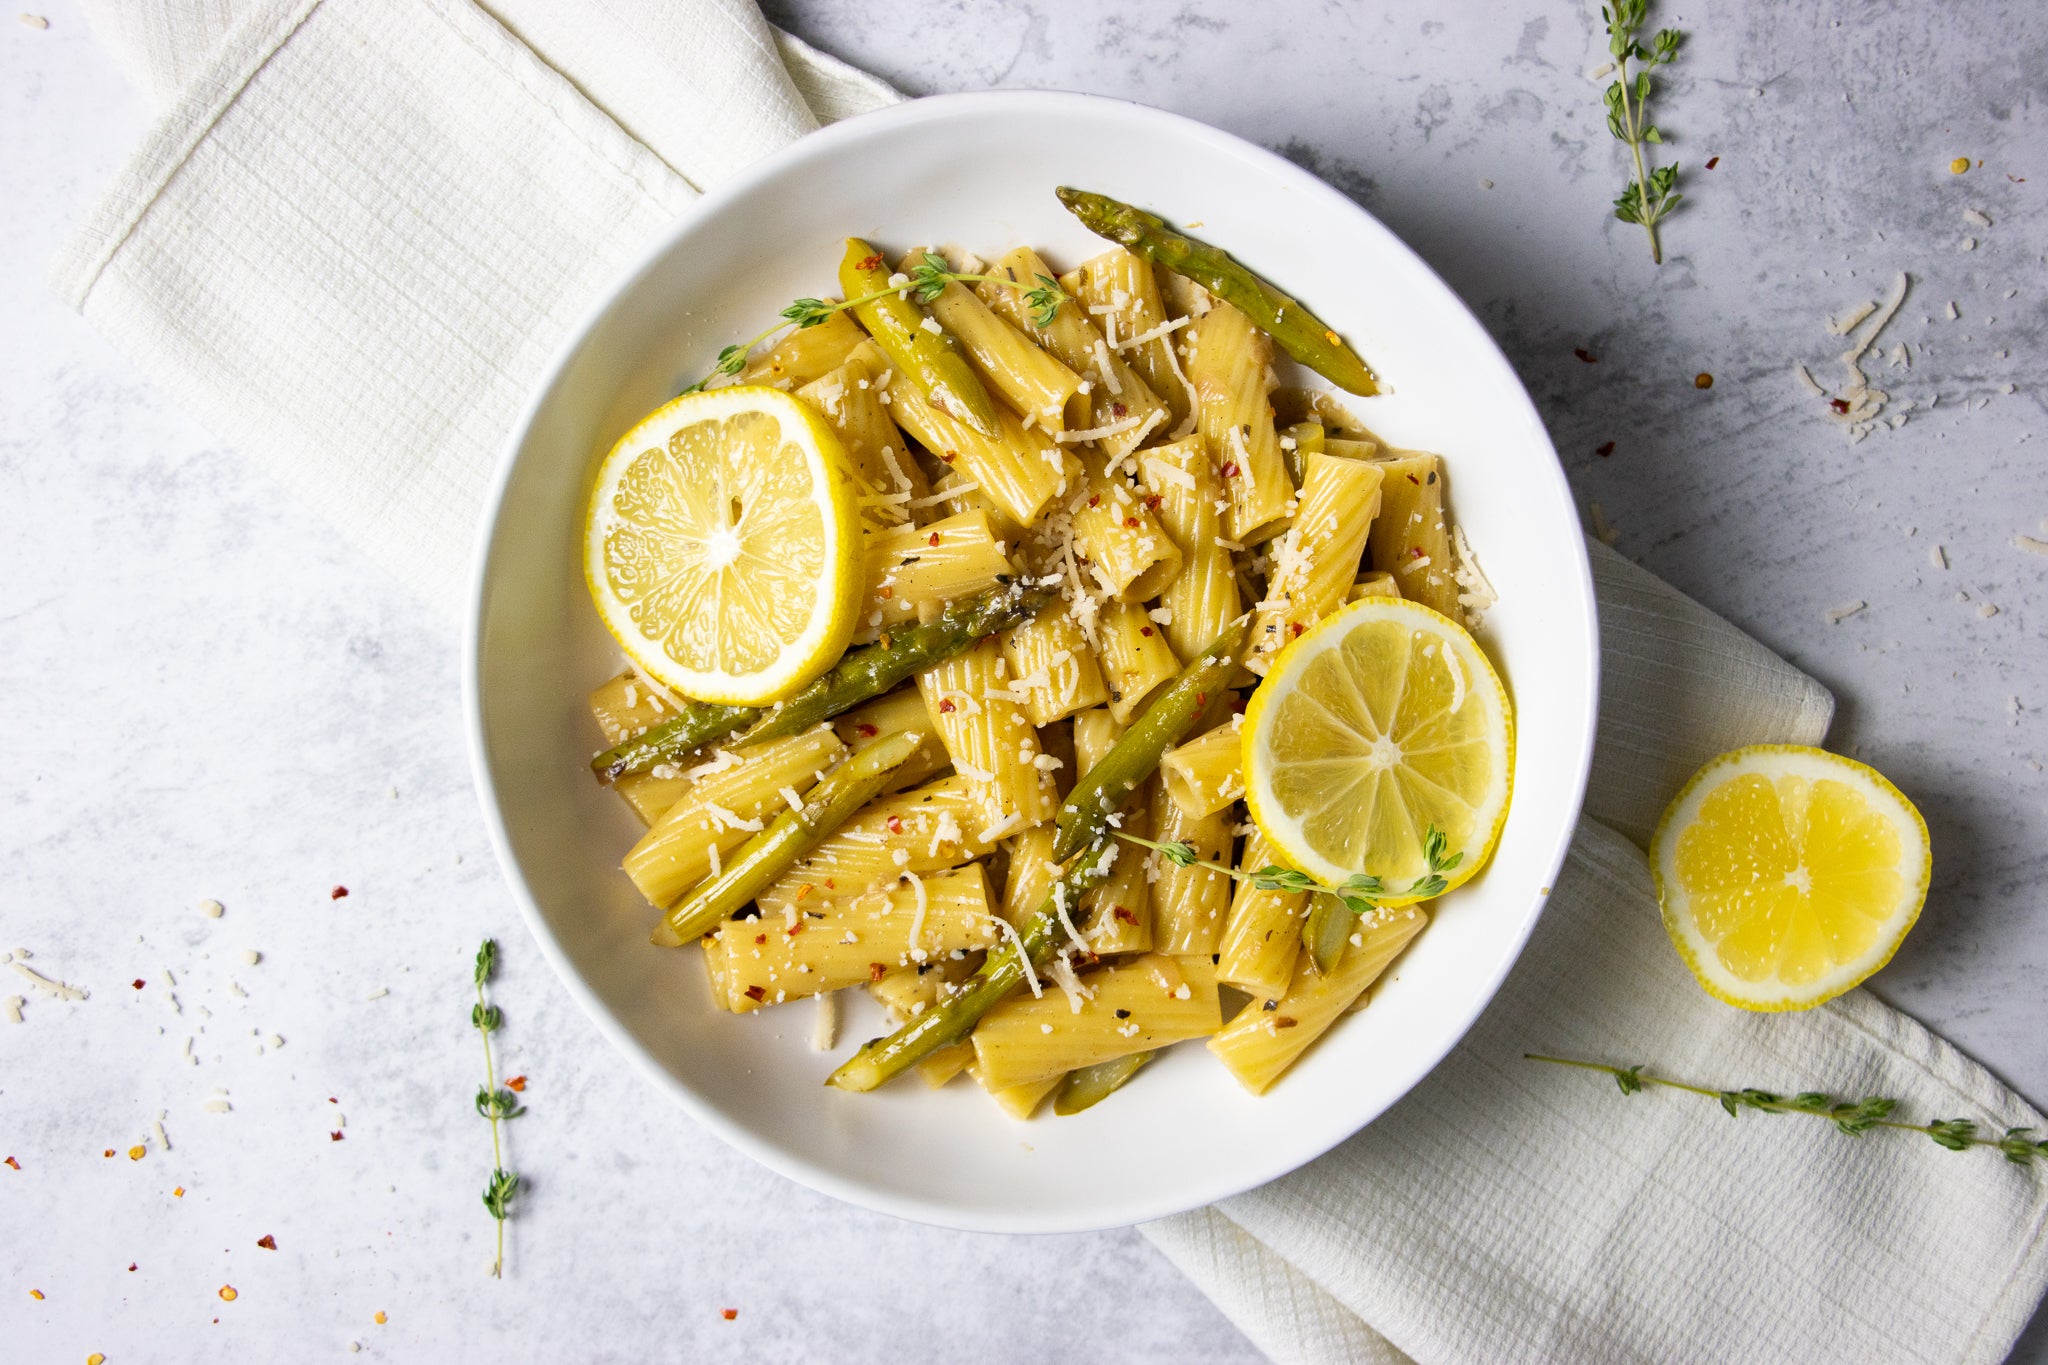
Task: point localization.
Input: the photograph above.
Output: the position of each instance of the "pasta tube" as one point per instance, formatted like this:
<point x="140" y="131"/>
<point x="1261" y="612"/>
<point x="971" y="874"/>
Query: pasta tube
<point x="926" y="355"/>
<point x="1028" y="377"/>
<point x="1264" y="1040"/>
<point x="1136" y="1006"/>
<point x="1204" y="598"/>
<point x="1118" y="912"/>
<point x="1120" y="291"/>
<point x="1262" y="937"/>
<point x="1188" y="903"/>
<point x="914" y="571"/>
<point x="1031" y="875"/>
<point x="806" y="354"/>
<point x="850" y="401"/>
<point x="1019" y="469"/>
<point x="1232" y="372"/>
<point x="1053" y="666"/>
<point x="1315" y="563"/>
<point x="1127" y="552"/>
<point x="1374" y="584"/>
<point x="992" y="743"/>
<point x="1410" y="540"/>
<point x="1136" y="660"/>
<point x="889" y="715"/>
<point x="926" y="829"/>
<point x="1206" y="774"/>
<point x="723" y="807"/>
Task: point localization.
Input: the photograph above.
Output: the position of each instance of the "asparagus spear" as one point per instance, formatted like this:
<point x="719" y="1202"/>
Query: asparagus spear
<point x="1084" y="829"/>
<point x="1293" y="327"/>
<point x="926" y="354"/>
<point x="769" y="854"/>
<point x="1104" y="787"/>
<point x="1088" y="1086"/>
<point x="858" y="676"/>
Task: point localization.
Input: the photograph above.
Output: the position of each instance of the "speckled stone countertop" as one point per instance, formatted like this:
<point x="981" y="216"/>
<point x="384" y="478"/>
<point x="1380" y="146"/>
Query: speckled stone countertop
<point x="204" y="696"/>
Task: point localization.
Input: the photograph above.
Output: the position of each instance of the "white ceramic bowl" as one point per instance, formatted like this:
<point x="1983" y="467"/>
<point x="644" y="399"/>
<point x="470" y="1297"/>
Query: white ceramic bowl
<point x="979" y="170"/>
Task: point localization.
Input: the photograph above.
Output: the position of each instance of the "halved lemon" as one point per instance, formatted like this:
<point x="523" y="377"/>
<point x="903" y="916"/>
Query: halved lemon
<point x="1382" y="722"/>
<point x="722" y="545"/>
<point x="1788" y="874"/>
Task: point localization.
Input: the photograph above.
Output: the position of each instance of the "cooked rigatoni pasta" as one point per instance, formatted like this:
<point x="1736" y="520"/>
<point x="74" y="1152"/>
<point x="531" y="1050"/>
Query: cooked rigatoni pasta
<point x="993" y="743"/>
<point x="1262" y="936"/>
<point x="1136" y="1006"/>
<point x="1023" y="373"/>
<point x="1232" y="371"/>
<point x="1205" y="774"/>
<point x="724" y="805"/>
<point x="1261" y="1043"/>
<point x="1126" y="410"/>
<point x="1122" y="295"/>
<point x="1020" y="469"/>
<point x="1136" y="660"/>
<point x="1111" y="447"/>
<point x="1053" y="666"/>
<point x="1316" y="561"/>
<point x="1410" y="538"/>
<point x="913" y="571"/>
<point x="917" y="919"/>
<point x="1204" y="598"/>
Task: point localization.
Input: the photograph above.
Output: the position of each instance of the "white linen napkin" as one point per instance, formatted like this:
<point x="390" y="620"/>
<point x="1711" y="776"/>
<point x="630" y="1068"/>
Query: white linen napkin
<point x="360" y="229"/>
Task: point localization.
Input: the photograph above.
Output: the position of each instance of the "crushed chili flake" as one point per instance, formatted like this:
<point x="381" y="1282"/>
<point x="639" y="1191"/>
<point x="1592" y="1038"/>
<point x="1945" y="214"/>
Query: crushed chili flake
<point x="885" y="593"/>
<point x="865" y="263"/>
<point x="876" y="971"/>
<point x="932" y="539"/>
<point x="1712" y="162"/>
<point x="138" y="983"/>
<point x="1412" y="479"/>
<point x="755" y="993"/>
<point x="131" y="1267"/>
<point x="945" y="705"/>
<point x="335" y="1135"/>
<point x="337" y="893"/>
<point x="137" y="1152"/>
<point x="1415" y="553"/>
<point x="227" y="1293"/>
<point x="1703" y="380"/>
<point x="1145" y="630"/>
<point x="1839" y="404"/>
<point x="1201" y="698"/>
<point x="865" y="730"/>
<point x="1118" y="409"/>
<point x="1095" y="499"/>
<point x="267" y="1242"/>
<point x="760" y="938"/>
<point x="108" y="1152"/>
<point x="378" y="1317"/>
<point x="1154" y="502"/>
<point x="1585" y="355"/>
<point x="728" y="1313"/>
<point x="1604" y="451"/>
<point x="895" y="824"/>
<point x="1229" y="470"/>
<point x="1297" y="628"/>
<point x="950" y="456"/>
<point x="795" y="929"/>
<point x="1130" y="523"/>
<point x="35" y="1293"/>
<point x="516" y="1084"/>
<point x="96" y="1358"/>
<point x="178" y="1193"/>
<point x="1126" y="916"/>
<point x="15" y="1164"/>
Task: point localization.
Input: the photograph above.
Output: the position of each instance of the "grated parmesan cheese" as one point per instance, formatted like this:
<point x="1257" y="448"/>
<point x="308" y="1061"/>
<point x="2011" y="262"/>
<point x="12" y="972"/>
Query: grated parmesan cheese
<point x="1837" y="615"/>
<point x="825" y="1026"/>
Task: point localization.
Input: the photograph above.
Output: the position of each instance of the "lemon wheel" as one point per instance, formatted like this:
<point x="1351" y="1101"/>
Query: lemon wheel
<point x="722" y="546"/>
<point x="1788" y="875"/>
<point x="1382" y="722"/>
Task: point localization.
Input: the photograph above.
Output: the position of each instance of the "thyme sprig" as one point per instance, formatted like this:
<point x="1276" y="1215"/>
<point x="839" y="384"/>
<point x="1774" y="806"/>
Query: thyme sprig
<point x="923" y="283"/>
<point x="1854" y="1117"/>
<point x="1652" y="193"/>
<point x="494" y="1102"/>
<point x="1359" y="892"/>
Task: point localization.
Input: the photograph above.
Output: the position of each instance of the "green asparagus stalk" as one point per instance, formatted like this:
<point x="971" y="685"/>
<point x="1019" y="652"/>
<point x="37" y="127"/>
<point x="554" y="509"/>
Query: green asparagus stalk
<point x="928" y="357"/>
<point x="861" y="675"/>
<point x="953" y="1018"/>
<point x="1293" y="327"/>
<point x="769" y="854"/>
<point x="1103" y="789"/>
<point x="1088" y="1086"/>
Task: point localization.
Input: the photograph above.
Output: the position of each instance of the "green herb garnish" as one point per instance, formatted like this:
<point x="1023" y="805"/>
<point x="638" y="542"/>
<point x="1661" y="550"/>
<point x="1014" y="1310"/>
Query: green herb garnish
<point x="494" y="1102"/>
<point x="1652" y="194"/>
<point x="1854" y="1117"/>
<point x="925" y="282"/>
<point x="1359" y="892"/>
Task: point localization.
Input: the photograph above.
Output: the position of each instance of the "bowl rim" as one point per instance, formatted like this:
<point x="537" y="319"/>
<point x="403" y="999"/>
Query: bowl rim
<point x="937" y="108"/>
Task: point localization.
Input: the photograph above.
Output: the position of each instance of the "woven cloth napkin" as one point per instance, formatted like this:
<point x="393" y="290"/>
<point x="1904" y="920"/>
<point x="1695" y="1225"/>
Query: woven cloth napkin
<point x="360" y="228"/>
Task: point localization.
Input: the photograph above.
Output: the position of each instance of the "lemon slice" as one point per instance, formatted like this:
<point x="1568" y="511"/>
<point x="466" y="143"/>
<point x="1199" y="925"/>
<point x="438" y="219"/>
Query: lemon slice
<point x="1384" y="720"/>
<point x="1788" y="875"/>
<point x="722" y="545"/>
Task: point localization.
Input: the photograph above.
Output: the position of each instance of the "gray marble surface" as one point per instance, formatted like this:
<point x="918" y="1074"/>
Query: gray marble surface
<point x="202" y="695"/>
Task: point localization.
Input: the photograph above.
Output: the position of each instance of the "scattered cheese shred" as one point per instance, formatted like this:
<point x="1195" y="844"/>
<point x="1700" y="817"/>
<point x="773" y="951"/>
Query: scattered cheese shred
<point x="58" y="990"/>
<point x="825" y="1026"/>
<point x="1837" y="615"/>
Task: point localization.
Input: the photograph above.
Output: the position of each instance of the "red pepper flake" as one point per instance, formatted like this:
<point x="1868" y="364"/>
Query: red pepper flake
<point x="138" y="983"/>
<point x="1839" y="404"/>
<point x="1297" y="628"/>
<point x="1703" y="380"/>
<point x="876" y="971"/>
<point x="227" y="1293"/>
<point x="137" y="1152"/>
<point x="1229" y="470"/>
<point x="795" y="929"/>
<point x="1415" y="553"/>
<point x="178" y="1193"/>
<point x="1118" y="410"/>
<point x="831" y="885"/>
<point x="950" y="456"/>
<point x="1604" y="451"/>
<point x="1130" y="523"/>
<point x="1126" y="916"/>
<point x="36" y="1294"/>
<point x="517" y="1084"/>
<point x="803" y="891"/>
<point x="1585" y="355"/>
<point x="337" y="893"/>
<point x="886" y="593"/>
<point x="15" y="1164"/>
<point x="895" y="824"/>
<point x="266" y="1241"/>
<point x="1095" y="499"/>
<point x="1145" y="630"/>
<point x="1712" y="162"/>
<point x="1152" y="503"/>
<point x="1412" y="479"/>
<point x="131" y="1267"/>
<point x="760" y="938"/>
<point x="728" y="1313"/>
<point x="1201" y="698"/>
<point x="868" y="262"/>
<point x="933" y="539"/>
<point x="755" y="993"/>
<point x="946" y="705"/>
<point x="378" y="1317"/>
<point x="335" y="1136"/>
<point x="108" y="1152"/>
